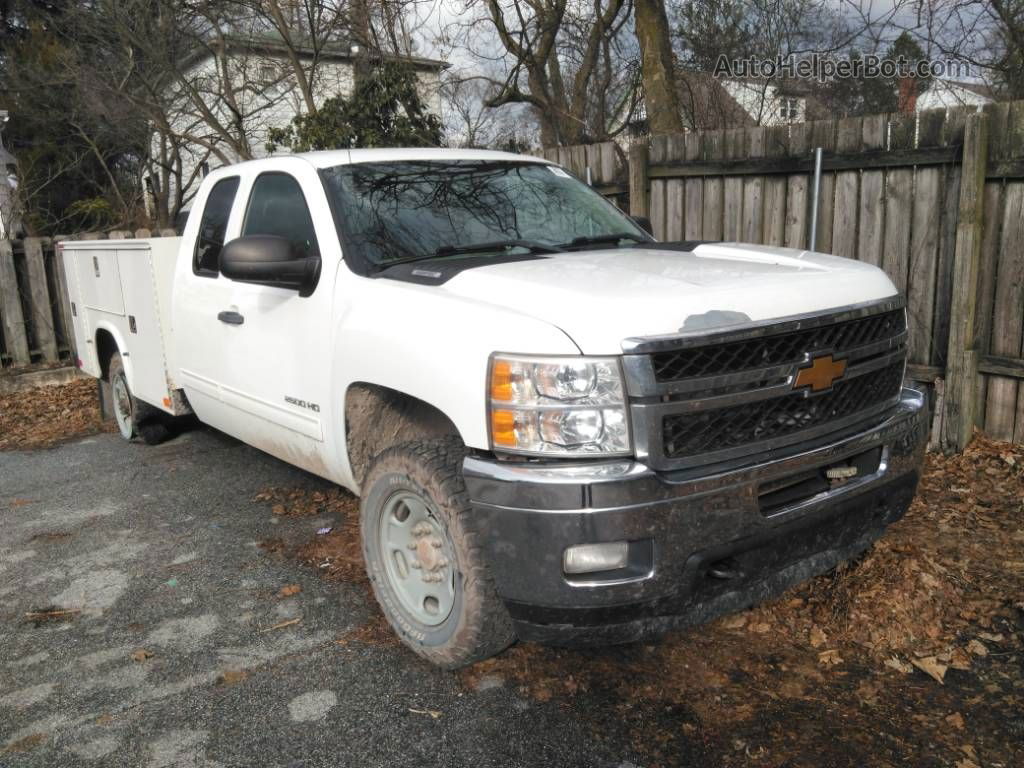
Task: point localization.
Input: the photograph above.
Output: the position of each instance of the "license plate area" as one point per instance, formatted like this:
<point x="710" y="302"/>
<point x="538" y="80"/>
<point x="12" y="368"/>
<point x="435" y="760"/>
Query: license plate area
<point x="778" y="495"/>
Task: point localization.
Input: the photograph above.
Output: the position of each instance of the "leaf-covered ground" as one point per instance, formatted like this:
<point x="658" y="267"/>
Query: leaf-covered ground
<point x="47" y="416"/>
<point x="912" y="654"/>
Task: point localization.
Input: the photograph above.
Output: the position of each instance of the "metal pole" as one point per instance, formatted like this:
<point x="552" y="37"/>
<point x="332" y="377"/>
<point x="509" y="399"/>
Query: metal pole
<point x="814" y="200"/>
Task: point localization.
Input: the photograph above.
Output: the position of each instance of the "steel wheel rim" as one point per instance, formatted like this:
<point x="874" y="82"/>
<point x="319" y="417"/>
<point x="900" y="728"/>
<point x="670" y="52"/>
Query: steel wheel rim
<point x="418" y="558"/>
<point x="122" y="406"/>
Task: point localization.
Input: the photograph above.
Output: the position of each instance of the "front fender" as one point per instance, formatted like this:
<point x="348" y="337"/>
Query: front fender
<point x="430" y="345"/>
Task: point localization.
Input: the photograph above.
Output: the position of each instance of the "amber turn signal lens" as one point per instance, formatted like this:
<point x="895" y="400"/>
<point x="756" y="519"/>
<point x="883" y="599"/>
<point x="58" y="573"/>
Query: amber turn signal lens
<point x="503" y="428"/>
<point x="501" y="381"/>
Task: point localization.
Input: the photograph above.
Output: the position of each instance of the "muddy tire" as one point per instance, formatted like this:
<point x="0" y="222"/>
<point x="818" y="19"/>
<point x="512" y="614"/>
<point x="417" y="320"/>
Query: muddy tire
<point x="132" y="416"/>
<point x="423" y="555"/>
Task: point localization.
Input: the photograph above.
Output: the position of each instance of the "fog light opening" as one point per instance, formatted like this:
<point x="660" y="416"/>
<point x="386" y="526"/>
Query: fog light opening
<point x="595" y="558"/>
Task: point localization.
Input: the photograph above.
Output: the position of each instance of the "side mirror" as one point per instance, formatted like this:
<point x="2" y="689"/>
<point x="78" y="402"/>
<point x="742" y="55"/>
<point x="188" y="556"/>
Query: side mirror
<point x="644" y="223"/>
<point x="269" y="260"/>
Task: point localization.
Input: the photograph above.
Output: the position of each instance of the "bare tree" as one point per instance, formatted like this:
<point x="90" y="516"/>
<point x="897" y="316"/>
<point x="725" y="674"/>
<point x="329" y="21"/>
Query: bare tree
<point x="574" y="63"/>
<point x="658" y="68"/>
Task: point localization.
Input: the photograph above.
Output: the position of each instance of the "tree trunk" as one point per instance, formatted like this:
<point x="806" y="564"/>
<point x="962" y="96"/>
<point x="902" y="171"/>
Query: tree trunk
<point x="663" y="114"/>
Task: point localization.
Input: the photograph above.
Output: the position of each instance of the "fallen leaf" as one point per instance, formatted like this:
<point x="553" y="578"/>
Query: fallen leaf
<point x="291" y="589"/>
<point x="432" y="712"/>
<point x="282" y="625"/>
<point x="142" y="654"/>
<point x="761" y="627"/>
<point x="977" y="648"/>
<point x="955" y="720"/>
<point x="232" y="676"/>
<point x="990" y="637"/>
<point x="735" y="622"/>
<point x="818" y="637"/>
<point x="965" y="763"/>
<point x="830" y="658"/>
<point x="931" y="666"/>
<point x="899" y="666"/>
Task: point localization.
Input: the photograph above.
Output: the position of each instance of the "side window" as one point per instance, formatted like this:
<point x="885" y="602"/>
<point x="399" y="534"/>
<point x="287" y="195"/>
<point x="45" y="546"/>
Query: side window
<point x="278" y="207"/>
<point x="213" y="226"/>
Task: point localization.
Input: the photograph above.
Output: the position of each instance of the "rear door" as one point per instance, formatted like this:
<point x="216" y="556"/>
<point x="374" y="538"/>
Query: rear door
<point x="199" y="293"/>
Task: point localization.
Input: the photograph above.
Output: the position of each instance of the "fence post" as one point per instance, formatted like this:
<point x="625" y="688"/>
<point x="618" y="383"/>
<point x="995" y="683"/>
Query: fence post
<point x="10" y="307"/>
<point x="639" y="200"/>
<point x="962" y="357"/>
<point x="39" y="300"/>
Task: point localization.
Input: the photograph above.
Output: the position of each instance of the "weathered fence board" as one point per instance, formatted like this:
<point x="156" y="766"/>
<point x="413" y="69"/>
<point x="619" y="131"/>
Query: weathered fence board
<point x="15" y="336"/>
<point x="39" y="301"/>
<point x="1008" y="315"/>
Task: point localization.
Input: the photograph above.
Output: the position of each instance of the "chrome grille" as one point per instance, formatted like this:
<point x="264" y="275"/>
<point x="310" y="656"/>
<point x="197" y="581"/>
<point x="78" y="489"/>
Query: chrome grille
<point x="727" y="396"/>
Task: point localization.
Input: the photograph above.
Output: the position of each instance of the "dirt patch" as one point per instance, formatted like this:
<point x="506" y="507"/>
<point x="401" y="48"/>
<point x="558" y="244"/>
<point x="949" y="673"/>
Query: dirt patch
<point x="24" y="745"/>
<point x="376" y="632"/>
<point x="336" y="553"/>
<point x="47" y="416"/>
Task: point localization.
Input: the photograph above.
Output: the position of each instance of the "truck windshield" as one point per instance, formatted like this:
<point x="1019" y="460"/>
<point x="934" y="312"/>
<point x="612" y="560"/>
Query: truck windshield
<point x="404" y="211"/>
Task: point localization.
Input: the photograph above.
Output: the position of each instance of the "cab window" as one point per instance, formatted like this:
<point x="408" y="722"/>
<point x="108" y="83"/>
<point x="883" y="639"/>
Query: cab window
<point x="213" y="227"/>
<point x="278" y="207"/>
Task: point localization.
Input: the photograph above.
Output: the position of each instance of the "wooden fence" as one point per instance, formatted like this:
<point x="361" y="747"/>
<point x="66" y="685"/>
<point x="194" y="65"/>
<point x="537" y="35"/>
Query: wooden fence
<point x="936" y="199"/>
<point x="35" y="312"/>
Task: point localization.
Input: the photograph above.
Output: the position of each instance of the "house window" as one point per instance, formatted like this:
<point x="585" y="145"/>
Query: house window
<point x="789" y="108"/>
<point x="267" y="74"/>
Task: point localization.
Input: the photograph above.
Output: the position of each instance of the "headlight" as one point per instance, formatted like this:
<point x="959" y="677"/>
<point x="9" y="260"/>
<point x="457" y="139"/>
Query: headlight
<point x="565" y="406"/>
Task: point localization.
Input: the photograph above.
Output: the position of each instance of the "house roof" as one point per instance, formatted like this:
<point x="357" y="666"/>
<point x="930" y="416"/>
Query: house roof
<point x="707" y="104"/>
<point x="272" y="43"/>
<point x="981" y="89"/>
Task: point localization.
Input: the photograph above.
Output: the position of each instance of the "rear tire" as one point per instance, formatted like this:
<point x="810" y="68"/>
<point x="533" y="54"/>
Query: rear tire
<point x="424" y="559"/>
<point x="132" y="416"/>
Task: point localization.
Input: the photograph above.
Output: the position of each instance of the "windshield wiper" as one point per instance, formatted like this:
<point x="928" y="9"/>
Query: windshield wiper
<point x="458" y="250"/>
<point x="497" y="245"/>
<point x="615" y="237"/>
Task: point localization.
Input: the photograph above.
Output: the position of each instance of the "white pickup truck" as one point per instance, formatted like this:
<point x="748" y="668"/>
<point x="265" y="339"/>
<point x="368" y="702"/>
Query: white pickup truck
<point x="560" y="429"/>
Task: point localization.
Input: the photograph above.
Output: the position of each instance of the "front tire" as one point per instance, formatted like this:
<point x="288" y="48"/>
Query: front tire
<point x="423" y="555"/>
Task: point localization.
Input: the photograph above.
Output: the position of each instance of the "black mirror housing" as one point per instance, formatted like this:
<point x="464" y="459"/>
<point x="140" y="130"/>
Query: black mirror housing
<point x="269" y="260"/>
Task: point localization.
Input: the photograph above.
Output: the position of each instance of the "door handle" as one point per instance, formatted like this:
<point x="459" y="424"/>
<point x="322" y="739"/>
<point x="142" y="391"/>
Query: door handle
<point x="231" y="318"/>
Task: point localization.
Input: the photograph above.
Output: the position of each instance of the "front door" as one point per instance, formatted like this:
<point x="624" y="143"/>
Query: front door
<point x="272" y="368"/>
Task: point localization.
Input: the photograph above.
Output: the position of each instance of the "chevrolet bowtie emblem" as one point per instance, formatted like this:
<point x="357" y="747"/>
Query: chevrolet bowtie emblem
<point x="820" y="374"/>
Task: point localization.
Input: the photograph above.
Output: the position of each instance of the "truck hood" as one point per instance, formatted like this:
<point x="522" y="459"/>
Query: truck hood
<point x="601" y="297"/>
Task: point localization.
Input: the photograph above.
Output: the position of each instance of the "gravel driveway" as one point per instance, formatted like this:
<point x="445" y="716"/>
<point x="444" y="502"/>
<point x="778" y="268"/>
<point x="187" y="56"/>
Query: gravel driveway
<point x="143" y="624"/>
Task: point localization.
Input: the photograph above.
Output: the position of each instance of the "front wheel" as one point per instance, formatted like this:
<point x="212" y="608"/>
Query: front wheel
<point x="423" y="555"/>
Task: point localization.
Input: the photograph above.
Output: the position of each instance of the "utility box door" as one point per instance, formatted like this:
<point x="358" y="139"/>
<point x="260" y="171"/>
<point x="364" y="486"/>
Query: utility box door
<point x="99" y="280"/>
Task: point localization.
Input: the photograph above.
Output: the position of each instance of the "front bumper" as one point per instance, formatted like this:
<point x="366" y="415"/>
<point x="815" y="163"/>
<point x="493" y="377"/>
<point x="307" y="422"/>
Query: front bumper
<point x="709" y="543"/>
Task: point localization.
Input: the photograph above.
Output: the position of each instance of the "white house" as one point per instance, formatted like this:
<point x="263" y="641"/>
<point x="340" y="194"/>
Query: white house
<point x="942" y="94"/>
<point x="767" y="102"/>
<point x="245" y="87"/>
<point x="10" y="226"/>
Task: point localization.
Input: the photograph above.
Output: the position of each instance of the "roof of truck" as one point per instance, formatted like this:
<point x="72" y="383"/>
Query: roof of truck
<point x="332" y="157"/>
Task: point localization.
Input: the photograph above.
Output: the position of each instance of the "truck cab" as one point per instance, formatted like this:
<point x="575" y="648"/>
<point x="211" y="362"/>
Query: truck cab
<point x="560" y="429"/>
